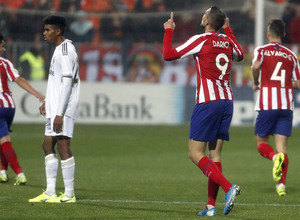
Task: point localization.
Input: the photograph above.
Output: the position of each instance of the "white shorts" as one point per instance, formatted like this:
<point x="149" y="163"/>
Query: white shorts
<point x="68" y="127"/>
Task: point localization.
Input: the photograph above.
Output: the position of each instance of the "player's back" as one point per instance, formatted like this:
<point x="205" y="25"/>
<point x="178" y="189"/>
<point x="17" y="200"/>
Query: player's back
<point x="278" y="65"/>
<point x="215" y="57"/>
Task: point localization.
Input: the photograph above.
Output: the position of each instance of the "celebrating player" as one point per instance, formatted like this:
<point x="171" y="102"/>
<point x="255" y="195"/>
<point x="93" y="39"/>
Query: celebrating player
<point x="213" y="111"/>
<point x="7" y="112"/>
<point x="277" y="67"/>
<point x="60" y="109"/>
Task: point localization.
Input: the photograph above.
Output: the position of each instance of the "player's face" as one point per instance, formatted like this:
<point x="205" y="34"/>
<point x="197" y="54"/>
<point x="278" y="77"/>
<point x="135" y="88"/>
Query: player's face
<point x="50" y="33"/>
<point x="2" y="47"/>
<point x="204" y="18"/>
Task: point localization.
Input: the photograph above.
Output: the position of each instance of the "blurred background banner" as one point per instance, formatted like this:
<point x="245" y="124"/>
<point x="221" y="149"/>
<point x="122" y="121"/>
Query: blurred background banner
<point x="113" y="103"/>
<point x="119" y="44"/>
<point x="129" y="103"/>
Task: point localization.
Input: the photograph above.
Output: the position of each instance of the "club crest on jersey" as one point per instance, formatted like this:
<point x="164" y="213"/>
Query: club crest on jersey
<point x="222" y="44"/>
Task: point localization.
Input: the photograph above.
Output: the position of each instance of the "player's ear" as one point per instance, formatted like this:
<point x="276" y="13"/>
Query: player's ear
<point x="58" y="31"/>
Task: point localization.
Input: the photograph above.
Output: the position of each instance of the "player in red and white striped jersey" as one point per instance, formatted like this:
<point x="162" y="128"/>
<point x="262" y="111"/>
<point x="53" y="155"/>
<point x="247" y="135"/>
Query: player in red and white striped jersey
<point x="213" y="53"/>
<point x="7" y="112"/>
<point x="277" y="69"/>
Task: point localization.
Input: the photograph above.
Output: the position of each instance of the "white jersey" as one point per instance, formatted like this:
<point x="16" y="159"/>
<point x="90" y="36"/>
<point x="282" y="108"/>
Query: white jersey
<point x="64" y="63"/>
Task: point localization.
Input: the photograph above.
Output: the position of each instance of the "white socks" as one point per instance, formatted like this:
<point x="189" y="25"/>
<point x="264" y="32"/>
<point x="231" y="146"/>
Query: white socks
<point x="68" y="171"/>
<point x="51" y="166"/>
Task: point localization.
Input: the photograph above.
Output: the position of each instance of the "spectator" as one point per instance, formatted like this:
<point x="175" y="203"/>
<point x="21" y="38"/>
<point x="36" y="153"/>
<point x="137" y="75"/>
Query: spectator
<point x="46" y="5"/>
<point x="246" y="16"/>
<point x="149" y="5"/>
<point x="81" y="30"/>
<point x="185" y="27"/>
<point x="287" y="17"/>
<point x="32" y="64"/>
<point x="67" y="5"/>
<point x="111" y="28"/>
<point x="26" y="23"/>
<point x="294" y="31"/>
<point x="7" y="23"/>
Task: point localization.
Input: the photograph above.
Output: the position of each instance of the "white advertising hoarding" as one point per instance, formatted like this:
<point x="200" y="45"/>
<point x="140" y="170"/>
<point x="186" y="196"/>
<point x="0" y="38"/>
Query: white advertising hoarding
<point x="112" y="103"/>
<point x="137" y="103"/>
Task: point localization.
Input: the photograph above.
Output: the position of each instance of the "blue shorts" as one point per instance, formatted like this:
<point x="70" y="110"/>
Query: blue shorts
<point x="269" y="122"/>
<point x="6" y="119"/>
<point x="211" y="121"/>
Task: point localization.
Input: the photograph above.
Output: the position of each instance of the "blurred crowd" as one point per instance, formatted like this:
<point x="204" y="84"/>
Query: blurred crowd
<point x="125" y="20"/>
<point x="127" y="23"/>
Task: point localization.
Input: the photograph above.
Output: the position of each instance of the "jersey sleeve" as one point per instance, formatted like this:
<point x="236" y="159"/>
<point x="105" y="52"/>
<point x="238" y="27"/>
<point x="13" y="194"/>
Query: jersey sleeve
<point x="191" y="46"/>
<point x="296" y="70"/>
<point x="12" y="72"/>
<point x="237" y="50"/>
<point x="169" y="53"/>
<point x="257" y="55"/>
<point x="66" y="61"/>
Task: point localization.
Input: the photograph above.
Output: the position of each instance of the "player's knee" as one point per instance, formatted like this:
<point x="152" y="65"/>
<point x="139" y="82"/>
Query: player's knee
<point x="194" y="157"/>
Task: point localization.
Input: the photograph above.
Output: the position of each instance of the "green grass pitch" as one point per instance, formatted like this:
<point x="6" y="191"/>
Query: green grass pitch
<point x="143" y="172"/>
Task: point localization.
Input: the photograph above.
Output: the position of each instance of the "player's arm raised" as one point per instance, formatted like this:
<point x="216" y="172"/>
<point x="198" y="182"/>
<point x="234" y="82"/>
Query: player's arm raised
<point x="169" y="53"/>
<point x="238" y="52"/>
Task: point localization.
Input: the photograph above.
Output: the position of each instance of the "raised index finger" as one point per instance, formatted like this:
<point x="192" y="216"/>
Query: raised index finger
<point x="171" y="16"/>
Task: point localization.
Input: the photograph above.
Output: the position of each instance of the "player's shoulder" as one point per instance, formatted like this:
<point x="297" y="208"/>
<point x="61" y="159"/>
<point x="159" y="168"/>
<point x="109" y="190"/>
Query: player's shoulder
<point x="197" y="36"/>
<point x="287" y="50"/>
<point x="66" y="48"/>
<point x="5" y="61"/>
<point x="263" y="47"/>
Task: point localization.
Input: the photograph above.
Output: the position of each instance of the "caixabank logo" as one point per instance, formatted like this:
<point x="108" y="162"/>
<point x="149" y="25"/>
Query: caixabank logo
<point x="104" y="107"/>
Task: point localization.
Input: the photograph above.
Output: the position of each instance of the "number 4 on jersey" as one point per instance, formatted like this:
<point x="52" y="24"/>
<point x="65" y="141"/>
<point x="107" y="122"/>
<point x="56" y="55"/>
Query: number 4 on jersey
<point x="276" y="76"/>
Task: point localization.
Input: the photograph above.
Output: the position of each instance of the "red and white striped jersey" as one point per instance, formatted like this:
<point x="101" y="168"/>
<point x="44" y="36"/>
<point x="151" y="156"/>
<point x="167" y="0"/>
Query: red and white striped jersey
<point x="279" y="67"/>
<point x="7" y="72"/>
<point x="213" y="54"/>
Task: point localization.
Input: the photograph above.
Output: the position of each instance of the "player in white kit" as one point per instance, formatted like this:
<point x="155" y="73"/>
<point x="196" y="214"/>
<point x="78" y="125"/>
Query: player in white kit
<point x="60" y="108"/>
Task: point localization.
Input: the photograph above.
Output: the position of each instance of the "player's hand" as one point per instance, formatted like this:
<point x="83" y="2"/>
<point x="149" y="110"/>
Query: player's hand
<point x="226" y="24"/>
<point x="41" y="97"/>
<point x="58" y="124"/>
<point x="255" y="88"/>
<point x="170" y="23"/>
<point x="43" y="109"/>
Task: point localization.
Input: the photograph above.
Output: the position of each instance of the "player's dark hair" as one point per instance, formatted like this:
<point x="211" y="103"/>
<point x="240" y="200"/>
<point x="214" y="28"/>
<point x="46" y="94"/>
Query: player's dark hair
<point x="277" y="27"/>
<point x="217" y="17"/>
<point x="58" y="21"/>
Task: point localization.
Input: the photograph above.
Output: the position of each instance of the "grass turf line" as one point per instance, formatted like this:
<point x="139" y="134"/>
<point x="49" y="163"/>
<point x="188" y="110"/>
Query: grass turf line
<point x="143" y="172"/>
